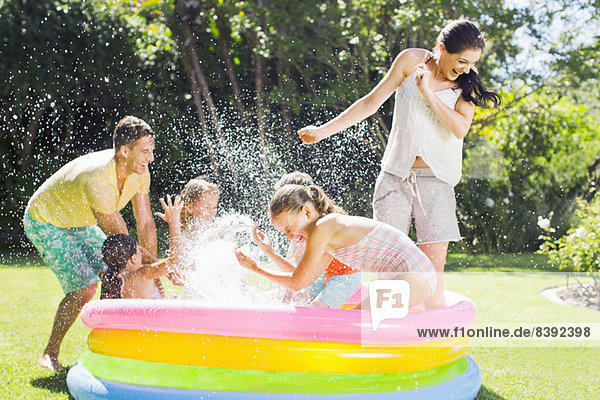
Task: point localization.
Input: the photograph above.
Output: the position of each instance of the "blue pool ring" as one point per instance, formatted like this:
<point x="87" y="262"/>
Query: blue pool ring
<point x="84" y="386"/>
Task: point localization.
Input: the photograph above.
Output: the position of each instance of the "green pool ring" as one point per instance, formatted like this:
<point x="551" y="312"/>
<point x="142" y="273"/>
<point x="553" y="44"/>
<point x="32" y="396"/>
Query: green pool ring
<point x="178" y="376"/>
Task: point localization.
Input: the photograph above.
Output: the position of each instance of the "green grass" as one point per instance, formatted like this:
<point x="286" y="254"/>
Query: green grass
<point x="498" y="262"/>
<point x="543" y="372"/>
<point x="28" y="300"/>
<point x="29" y="296"/>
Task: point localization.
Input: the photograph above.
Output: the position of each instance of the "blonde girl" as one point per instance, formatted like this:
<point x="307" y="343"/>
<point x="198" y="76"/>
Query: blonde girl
<point x="200" y="202"/>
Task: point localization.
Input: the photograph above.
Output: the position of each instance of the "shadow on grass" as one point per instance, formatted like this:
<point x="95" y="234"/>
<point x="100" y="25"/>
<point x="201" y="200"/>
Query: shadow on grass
<point x="56" y="383"/>
<point x="487" y="394"/>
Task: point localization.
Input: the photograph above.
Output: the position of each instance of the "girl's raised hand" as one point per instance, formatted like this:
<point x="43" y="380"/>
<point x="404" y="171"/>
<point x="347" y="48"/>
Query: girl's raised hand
<point x="309" y="134"/>
<point x="261" y="240"/>
<point x="245" y="261"/>
<point x="172" y="209"/>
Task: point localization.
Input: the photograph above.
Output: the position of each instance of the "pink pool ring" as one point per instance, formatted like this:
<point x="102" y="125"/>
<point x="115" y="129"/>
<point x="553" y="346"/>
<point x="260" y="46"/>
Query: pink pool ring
<point x="146" y="349"/>
<point x="291" y="323"/>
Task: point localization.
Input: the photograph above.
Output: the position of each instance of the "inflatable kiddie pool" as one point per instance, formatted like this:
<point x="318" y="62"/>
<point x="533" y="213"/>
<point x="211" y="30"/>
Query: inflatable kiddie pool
<point x="180" y="349"/>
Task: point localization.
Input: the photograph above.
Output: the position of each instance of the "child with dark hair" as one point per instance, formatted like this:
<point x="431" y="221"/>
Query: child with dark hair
<point x="117" y="251"/>
<point x="125" y="276"/>
<point x="366" y="244"/>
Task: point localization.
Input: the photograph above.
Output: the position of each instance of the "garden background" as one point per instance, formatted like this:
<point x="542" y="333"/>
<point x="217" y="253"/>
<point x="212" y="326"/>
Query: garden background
<point x="226" y="84"/>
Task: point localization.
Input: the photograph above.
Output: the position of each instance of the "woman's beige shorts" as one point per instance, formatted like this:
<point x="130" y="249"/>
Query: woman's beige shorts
<point x="421" y="196"/>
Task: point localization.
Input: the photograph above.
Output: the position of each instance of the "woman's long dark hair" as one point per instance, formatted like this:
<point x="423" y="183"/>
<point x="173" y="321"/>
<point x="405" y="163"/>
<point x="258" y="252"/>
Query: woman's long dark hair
<point x="116" y="251"/>
<point x="462" y="35"/>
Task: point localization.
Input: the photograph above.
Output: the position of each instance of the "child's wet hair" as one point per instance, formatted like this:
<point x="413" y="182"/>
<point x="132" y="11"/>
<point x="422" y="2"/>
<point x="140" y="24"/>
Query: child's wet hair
<point x="294" y="178"/>
<point x="116" y="251"/>
<point x="291" y="198"/>
<point x="191" y="193"/>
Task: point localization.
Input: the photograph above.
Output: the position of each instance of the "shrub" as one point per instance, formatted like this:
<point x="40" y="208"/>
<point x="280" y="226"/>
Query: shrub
<point x="579" y="249"/>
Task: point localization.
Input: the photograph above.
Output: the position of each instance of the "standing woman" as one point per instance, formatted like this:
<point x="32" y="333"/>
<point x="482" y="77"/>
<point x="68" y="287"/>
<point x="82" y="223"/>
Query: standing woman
<point x="436" y="95"/>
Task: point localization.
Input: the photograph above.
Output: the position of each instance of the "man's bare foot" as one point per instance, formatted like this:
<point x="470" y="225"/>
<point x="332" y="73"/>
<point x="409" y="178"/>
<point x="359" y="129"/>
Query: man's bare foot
<point x="50" y="362"/>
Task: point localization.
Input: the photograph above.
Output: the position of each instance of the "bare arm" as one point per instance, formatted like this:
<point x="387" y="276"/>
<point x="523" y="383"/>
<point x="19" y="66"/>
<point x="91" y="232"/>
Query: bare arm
<point x="283" y="263"/>
<point x="292" y="280"/>
<point x="366" y="106"/>
<point x="458" y="120"/>
<point x="172" y="216"/>
<point x="156" y="270"/>
<point x="146" y="228"/>
<point x="264" y="245"/>
<point x="172" y="212"/>
<point x="312" y="264"/>
<point x="111" y="224"/>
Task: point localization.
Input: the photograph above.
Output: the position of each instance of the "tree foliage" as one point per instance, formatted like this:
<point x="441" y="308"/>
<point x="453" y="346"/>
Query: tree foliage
<point x="579" y="249"/>
<point x="70" y="70"/>
<point x="226" y="83"/>
<point x="531" y="161"/>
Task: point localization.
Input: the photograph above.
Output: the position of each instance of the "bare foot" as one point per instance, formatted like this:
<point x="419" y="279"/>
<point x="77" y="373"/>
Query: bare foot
<point x="49" y="362"/>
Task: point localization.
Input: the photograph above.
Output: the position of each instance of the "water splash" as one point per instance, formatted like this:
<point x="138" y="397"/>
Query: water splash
<point x="214" y="275"/>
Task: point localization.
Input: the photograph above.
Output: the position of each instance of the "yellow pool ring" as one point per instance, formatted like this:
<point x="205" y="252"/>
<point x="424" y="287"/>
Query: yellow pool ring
<point x="272" y="354"/>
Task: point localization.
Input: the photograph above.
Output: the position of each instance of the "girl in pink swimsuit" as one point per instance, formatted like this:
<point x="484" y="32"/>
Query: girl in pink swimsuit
<point x="305" y="212"/>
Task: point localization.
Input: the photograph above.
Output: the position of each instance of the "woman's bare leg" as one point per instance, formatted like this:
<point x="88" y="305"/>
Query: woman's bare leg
<point x="436" y="252"/>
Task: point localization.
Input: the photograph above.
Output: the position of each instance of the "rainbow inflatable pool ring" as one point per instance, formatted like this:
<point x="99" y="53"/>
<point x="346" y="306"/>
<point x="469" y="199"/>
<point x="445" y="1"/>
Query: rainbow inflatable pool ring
<point x="179" y="349"/>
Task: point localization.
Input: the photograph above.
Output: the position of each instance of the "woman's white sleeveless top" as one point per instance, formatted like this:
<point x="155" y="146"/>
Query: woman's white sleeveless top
<point x="416" y="131"/>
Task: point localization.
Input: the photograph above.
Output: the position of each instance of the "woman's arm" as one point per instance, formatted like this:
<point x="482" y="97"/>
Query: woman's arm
<point x="402" y="66"/>
<point x="458" y="120"/>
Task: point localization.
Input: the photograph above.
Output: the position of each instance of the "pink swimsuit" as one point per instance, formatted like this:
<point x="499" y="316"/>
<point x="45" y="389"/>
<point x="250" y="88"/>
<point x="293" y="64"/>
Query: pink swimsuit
<point x="389" y="252"/>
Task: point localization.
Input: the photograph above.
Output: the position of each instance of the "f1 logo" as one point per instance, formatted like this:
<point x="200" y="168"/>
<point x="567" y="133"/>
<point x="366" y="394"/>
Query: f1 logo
<point x="388" y="299"/>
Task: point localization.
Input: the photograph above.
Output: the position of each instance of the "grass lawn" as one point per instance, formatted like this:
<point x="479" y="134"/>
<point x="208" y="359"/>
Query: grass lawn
<point x="29" y="296"/>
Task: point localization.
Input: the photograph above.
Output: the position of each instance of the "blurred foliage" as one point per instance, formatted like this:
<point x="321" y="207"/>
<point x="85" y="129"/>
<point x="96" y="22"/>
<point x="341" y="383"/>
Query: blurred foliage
<point x="70" y="70"/>
<point x="531" y="160"/>
<point x="579" y="249"/>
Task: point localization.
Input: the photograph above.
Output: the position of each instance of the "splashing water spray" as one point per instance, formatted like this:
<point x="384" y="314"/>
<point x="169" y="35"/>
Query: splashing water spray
<point x="212" y="272"/>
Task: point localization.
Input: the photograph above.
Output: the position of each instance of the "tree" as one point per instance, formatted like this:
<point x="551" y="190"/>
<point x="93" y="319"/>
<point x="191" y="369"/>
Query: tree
<point x="530" y="162"/>
<point x="70" y="70"/>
